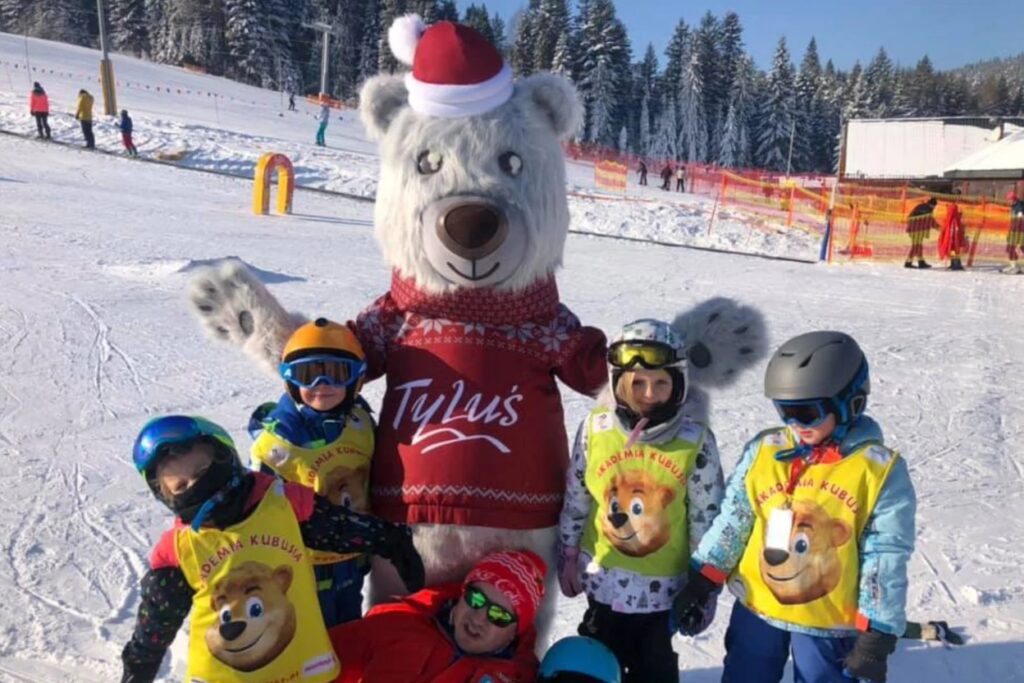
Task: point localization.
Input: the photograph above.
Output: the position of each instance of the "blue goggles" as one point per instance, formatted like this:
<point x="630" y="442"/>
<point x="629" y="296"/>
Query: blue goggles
<point x="806" y="413"/>
<point x="173" y="429"/>
<point x="332" y="371"/>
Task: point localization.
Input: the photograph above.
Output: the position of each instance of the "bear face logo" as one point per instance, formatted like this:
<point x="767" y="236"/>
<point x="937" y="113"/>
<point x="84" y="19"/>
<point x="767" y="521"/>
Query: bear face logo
<point x="255" y="619"/>
<point x="636" y="519"/>
<point x="810" y="569"/>
<point x="347" y="487"/>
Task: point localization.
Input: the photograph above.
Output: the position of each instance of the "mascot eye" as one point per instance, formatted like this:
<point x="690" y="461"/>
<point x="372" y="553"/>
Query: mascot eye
<point x="254" y="608"/>
<point x="346" y="500"/>
<point x="636" y="507"/>
<point x="511" y="163"/>
<point x="429" y="163"/>
<point x="616" y="508"/>
<point x="225" y="615"/>
<point x="801" y="544"/>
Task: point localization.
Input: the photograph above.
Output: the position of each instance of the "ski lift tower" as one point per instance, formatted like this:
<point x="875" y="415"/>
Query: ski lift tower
<point x="106" y="68"/>
<point x="328" y="31"/>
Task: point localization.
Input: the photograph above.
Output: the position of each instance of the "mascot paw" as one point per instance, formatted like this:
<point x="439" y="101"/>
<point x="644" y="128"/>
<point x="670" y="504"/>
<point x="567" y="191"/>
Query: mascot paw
<point x="723" y="338"/>
<point x="234" y="306"/>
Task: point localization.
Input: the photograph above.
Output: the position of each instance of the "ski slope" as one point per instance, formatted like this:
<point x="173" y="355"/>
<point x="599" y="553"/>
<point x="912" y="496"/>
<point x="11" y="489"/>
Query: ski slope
<point x="96" y="251"/>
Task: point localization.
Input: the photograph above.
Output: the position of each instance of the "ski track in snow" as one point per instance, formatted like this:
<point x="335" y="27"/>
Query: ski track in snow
<point x="97" y="252"/>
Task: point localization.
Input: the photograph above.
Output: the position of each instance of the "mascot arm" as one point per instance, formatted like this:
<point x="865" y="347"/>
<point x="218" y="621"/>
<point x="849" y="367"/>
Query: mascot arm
<point x="723" y="544"/>
<point x="578" y="500"/>
<point x="582" y="362"/>
<point x="886" y="547"/>
<point x="234" y="306"/>
<point x="705" y="491"/>
<point x="166" y="601"/>
<point x="376" y="327"/>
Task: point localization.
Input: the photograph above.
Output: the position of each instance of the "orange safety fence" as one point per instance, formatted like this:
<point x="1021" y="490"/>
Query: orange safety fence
<point x="869" y="221"/>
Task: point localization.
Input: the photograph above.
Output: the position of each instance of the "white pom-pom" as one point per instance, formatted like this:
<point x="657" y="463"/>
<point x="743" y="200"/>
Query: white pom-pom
<point x="403" y="36"/>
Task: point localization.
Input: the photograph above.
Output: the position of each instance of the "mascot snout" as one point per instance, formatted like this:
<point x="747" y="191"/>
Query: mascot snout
<point x="471" y="240"/>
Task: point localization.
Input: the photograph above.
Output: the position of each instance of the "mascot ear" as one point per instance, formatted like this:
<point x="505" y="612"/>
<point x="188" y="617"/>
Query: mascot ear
<point x="841" y="532"/>
<point x="283" y="577"/>
<point x="380" y="100"/>
<point x="556" y="100"/>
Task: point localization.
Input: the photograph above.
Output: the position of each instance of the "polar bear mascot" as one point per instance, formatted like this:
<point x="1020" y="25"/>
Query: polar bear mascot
<point x="471" y="215"/>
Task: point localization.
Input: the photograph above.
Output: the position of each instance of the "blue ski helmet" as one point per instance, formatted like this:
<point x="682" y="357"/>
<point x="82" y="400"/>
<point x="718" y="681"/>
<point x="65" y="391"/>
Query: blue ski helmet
<point x="173" y="429"/>
<point x="581" y="659"/>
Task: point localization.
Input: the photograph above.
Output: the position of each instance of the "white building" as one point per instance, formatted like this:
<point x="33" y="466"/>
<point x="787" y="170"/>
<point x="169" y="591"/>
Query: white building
<point x="902" y="149"/>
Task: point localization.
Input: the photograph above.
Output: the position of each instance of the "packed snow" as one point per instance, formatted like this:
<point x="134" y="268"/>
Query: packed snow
<point x="97" y="250"/>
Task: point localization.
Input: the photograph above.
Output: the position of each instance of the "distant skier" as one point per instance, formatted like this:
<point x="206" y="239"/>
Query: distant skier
<point x="642" y="170"/>
<point x="125" y="126"/>
<point x="291" y="101"/>
<point x="39" y="107"/>
<point x="83" y="112"/>
<point x="681" y="178"/>
<point x="920" y="222"/>
<point x="1015" y="235"/>
<point x="323" y="117"/>
<point x="666" y="178"/>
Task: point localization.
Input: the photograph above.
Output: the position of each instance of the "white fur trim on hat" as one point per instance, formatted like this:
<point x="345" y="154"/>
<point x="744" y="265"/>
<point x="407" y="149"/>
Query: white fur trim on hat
<point x="404" y="35"/>
<point x="456" y="101"/>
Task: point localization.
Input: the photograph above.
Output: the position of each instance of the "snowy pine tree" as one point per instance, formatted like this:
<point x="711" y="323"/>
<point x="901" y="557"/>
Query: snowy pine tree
<point x="776" y="112"/>
<point x="879" y="77"/>
<point x="664" y="143"/>
<point x="389" y="11"/>
<point x="129" y="31"/>
<point x="644" y="144"/>
<point x="604" y="72"/>
<point x="524" y="47"/>
<point x="734" y="149"/>
<point x="551" y="20"/>
<point x="498" y="33"/>
<point x="693" y="134"/>
<point x="478" y="17"/>
<point x="714" y="98"/>
<point x="369" y="41"/>
<point x="248" y="42"/>
<point x="563" y="60"/>
<point x="807" y="110"/>
<point x="447" y="11"/>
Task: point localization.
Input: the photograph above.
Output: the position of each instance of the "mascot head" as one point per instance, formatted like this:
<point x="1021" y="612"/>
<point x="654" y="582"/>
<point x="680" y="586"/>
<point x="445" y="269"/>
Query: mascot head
<point x="472" y="178"/>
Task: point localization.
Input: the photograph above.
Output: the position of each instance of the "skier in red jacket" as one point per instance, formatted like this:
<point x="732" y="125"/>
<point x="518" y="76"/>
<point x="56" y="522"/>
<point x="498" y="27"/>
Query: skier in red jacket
<point x="478" y="630"/>
<point x="39" y="107"/>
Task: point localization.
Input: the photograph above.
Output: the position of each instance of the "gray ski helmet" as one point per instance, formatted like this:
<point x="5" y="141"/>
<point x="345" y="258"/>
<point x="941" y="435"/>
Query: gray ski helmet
<point x="819" y="365"/>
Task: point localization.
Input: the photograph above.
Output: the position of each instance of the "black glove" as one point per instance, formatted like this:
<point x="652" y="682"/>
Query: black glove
<point x="395" y="545"/>
<point x="868" y="659"/>
<point x="688" y="607"/>
<point x="140" y="672"/>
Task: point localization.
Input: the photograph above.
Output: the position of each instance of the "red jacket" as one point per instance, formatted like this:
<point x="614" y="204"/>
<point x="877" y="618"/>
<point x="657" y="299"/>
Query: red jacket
<point x="402" y="642"/>
<point x="471" y="428"/>
<point x="38" y="103"/>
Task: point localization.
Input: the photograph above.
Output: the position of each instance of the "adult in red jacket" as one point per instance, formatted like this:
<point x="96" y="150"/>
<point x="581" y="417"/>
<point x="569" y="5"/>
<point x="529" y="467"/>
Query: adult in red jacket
<point x="39" y="107"/>
<point x="470" y="632"/>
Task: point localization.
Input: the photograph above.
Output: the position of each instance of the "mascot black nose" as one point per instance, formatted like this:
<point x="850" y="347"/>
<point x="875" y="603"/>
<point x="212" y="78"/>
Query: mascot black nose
<point x="472" y="230"/>
<point x="232" y="630"/>
<point x="618" y="519"/>
<point x="775" y="557"/>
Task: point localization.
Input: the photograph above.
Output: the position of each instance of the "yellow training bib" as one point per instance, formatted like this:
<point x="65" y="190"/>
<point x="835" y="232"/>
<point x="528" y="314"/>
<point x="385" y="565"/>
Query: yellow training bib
<point x="339" y="471"/>
<point x="813" y="578"/>
<point x="639" y="520"/>
<point x="255" y="615"/>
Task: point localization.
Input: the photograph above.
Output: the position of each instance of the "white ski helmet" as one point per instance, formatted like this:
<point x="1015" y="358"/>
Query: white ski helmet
<point x="654" y="345"/>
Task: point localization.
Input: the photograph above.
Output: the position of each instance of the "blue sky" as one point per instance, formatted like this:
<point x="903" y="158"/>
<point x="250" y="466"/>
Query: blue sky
<point x="950" y="32"/>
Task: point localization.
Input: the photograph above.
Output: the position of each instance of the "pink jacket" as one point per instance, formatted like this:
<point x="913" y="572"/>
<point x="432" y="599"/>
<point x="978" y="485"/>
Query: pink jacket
<point x="38" y="103"/>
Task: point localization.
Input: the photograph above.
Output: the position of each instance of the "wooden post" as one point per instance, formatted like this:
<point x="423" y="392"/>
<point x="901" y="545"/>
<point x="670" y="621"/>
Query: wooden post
<point x="789" y="216"/>
<point x="721" y="193"/>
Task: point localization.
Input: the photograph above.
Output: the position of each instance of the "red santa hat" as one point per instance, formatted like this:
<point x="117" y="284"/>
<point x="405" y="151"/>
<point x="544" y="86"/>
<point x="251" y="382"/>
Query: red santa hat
<point x="519" y="575"/>
<point x="456" y="72"/>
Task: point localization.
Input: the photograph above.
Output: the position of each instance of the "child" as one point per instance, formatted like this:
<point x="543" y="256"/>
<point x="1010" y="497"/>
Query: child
<point x="237" y="558"/>
<point x="125" y="124"/>
<point x="816" y="530"/>
<point x="638" y="471"/>
<point x="579" y="660"/>
<point x="320" y="435"/>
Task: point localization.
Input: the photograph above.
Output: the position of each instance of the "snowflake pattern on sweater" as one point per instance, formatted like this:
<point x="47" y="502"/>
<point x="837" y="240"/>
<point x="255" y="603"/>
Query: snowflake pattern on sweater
<point x="471" y="428"/>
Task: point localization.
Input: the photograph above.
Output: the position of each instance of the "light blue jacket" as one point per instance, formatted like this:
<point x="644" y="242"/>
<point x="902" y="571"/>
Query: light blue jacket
<point x="885" y="546"/>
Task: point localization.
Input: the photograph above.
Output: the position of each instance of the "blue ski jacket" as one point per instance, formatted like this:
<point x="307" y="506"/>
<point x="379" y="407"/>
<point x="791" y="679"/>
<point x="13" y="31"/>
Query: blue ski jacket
<point x="885" y="546"/>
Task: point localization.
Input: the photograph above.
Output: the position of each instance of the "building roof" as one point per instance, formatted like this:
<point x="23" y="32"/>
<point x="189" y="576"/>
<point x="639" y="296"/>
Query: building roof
<point x="998" y="160"/>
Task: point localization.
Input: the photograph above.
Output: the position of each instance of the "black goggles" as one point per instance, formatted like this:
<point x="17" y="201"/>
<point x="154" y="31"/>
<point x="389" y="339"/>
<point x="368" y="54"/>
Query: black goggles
<point x="648" y="354"/>
<point x="804" y="413"/>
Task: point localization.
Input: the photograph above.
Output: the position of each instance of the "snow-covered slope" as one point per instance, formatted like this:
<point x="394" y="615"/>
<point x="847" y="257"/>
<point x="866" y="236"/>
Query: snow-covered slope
<point x="95" y="253"/>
